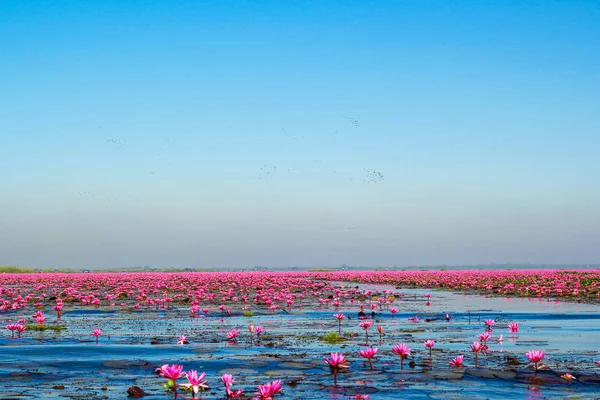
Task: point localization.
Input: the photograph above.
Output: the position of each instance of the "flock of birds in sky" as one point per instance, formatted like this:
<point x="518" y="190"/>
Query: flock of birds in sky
<point x="265" y="172"/>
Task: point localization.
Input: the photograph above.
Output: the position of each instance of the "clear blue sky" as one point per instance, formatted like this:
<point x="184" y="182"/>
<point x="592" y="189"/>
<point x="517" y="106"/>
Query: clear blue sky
<point x="233" y="133"/>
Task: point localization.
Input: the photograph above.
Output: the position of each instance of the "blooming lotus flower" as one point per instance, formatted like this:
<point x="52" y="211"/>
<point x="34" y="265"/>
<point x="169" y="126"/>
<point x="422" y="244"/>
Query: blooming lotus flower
<point x="484" y="337"/>
<point x="172" y="372"/>
<point x="339" y="318"/>
<point x="393" y="310"/>
<point x="366" y="325"/>
<point x="568" y="377"/>
<point x="337" y="362"/>
<point x="476" y="347"/>
<point x="182" y="340"/>
<point x="513" y="327"/>
<point x="233" y="334"/>
<point x="457" y="361"/>
<point x="97" y="332"/>
<point x="268" y="390"/>
<point x="403" y="351"/>
<point x="429" y="343"/>
<point x="227" y="379"/>
<point x="20" y="328"/>
<point x="368" y="354"/>
<point x="196" y="382"/>
<point x="233" y="393"/>
<point x="12" y="328"/>
<point x="489" y="323"/>
<point x="535" y="356"/>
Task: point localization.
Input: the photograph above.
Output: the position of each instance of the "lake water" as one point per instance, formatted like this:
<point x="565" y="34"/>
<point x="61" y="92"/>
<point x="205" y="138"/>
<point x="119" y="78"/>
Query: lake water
<point x="69" y="364"/>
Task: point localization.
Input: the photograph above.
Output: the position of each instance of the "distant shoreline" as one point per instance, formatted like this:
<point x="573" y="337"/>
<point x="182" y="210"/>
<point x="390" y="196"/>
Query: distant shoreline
<point x="489" y="267"/>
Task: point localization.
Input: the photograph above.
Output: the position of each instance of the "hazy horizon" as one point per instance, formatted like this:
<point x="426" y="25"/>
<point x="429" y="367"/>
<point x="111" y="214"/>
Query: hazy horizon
<point x="233" y="133"/>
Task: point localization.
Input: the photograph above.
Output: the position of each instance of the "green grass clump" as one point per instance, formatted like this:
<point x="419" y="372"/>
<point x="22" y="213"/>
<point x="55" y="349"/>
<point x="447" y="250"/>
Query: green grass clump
<point x="44" y="327"/>
<point x="249" y="314"/>
<point x="332" y="338"/>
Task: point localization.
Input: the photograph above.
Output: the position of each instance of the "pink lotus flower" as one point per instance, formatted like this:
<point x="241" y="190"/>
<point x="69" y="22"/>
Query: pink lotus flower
<point x="268" y="390"/>
<point x="97" y="332"/>
<point x="172" y="372"/>
<point x="339" y="318"/>
<point x="429" y="344"/>
<point x="20" y="328"/>
<point x="568" y="377"/>
<point x="233" y="393"/>
<point x="196" y="382"/>
<point x="457" y="361"/>
<point x="484" y="337"/>
<point x="12" y="328"/>
<point x="259" y="330"/>
<point x="489" y="323"/>
<point x="228" y="380"/>
<point x="368" y="354"/>
<point x="337" y="362"/>
<point x="233" y="334"/>
<point x="535" y="356"/>
<point x="393" y="310"/>
<point x="476" y="347"/>
<point x="366" y="325"/>
<point x="403" y="351"/>
<point x="182" y="340"/>
<point x="513" y="327"/>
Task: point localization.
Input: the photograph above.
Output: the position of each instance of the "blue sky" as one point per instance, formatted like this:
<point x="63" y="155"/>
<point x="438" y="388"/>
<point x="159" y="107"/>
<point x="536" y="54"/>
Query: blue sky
<point x="234" y="133"/>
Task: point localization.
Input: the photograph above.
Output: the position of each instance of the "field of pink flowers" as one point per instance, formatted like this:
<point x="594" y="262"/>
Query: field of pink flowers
<point x="365" y="334"/>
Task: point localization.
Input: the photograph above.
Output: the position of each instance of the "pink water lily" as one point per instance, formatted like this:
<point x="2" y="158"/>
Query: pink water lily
<point x="195" y="381"/>
<point x="535" y="356"/>
<point x="368" y="354"/>
<point x="403" y="351"/>
<point x="268" y="390"/>
<point x="339" y="318"/>
<point x="96" y="333"/>
<point x="171" y="372"/>
<point x="233" y="334"/>
<point x="336" y="363"/>
<point x="429" y="344"/>
<point x="476" y="347"/>
<point x="457" y="361"/>
<point x="228" y="380"/>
